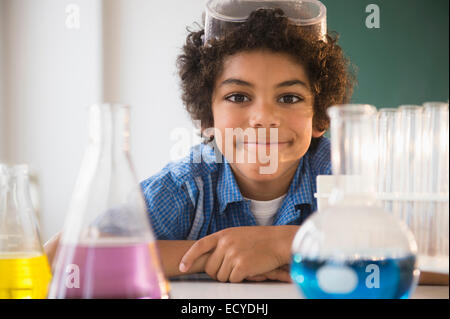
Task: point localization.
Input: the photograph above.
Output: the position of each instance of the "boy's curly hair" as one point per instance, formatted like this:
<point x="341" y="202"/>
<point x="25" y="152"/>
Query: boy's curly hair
<point x="328" y="70"/>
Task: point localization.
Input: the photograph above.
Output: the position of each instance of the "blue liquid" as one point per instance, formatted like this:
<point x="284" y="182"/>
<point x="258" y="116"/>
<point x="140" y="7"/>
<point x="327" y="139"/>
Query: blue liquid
<point x="360" y="279"/>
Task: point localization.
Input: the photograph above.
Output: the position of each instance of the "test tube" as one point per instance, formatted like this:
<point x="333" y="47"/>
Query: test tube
<point x="409" y="165"/>
<point x="387" y="124"/>
<point x="436" y="175"/>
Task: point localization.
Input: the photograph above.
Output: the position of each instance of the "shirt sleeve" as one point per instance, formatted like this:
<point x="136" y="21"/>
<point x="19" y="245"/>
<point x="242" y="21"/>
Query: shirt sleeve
<point x="321" y="159"/>
<point x="169" y="207"/>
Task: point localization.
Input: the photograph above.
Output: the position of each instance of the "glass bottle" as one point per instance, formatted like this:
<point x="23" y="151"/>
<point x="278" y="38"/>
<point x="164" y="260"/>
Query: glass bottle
<point x="107" y="247"/>
<point x="24" y="268"/>
<point x="353" y="248"/>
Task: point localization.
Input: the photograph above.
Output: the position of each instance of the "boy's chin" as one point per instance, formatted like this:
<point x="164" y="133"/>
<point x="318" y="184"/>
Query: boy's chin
<point x="259" y="172"/>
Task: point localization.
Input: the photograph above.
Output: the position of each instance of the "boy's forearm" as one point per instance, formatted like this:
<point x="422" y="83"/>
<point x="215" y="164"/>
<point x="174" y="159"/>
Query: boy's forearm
<point x="287" y="234"/>
<point x="171" y="252"/>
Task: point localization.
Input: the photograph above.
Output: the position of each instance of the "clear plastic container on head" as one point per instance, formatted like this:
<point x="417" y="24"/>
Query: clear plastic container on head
<point x="354" y="248"/>
<point x="224" y="15"/>
<point x="107" y="247"/>
<point x="24" y="269"/>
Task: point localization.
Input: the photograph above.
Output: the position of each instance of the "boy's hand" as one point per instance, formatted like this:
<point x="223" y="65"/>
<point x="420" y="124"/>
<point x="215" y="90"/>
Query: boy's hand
<point x="238" y="253"/>
<point x="50" y="247"/>
<point x="279" y="274"/>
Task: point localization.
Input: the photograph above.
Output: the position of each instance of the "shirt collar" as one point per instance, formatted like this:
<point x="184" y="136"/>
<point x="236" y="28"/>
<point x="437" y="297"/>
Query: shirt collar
<point x="300" y="191"/>
<point x="227" y="188"/>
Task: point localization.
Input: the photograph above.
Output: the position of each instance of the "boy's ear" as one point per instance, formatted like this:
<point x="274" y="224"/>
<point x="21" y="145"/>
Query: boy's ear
<point x="317" y="134"/>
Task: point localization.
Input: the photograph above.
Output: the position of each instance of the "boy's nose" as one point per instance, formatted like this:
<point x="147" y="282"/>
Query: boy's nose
<point x="264" y="115"/>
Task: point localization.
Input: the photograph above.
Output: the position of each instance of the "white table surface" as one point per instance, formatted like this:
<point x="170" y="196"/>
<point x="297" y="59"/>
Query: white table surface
<point x="203" y="288"/>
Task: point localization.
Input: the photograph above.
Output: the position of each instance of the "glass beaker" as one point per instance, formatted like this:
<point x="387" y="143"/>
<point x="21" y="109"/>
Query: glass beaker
<point x="24" y="269"/>
<point x="353" y="248"/>
<point x="107" y="247"/>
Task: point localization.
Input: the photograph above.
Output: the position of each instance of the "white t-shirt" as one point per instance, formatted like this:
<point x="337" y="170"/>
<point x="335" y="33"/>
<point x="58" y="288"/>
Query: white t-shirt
<point x="264" y="211"/>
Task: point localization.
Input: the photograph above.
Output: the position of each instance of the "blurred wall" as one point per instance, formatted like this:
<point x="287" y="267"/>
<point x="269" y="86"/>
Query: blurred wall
<point x="51" y="74"/>
<point x="142" y="40"/>
<point x="123" y="51"/>
<point x="2" y="115"/>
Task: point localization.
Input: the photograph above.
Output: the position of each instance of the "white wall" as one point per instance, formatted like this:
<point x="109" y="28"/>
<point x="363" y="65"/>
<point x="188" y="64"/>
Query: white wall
<point x="52" y="74"/>
<point x="2" y="115"/>
<point x="142" y="40"/>
<point x="125" y="51"/>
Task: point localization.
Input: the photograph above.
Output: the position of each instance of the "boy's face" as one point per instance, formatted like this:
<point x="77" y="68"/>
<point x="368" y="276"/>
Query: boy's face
<point x="256" y="92"/>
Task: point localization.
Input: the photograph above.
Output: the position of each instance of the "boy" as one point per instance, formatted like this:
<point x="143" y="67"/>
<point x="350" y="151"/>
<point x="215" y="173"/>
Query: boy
<point x="225" y="216"/>
<point x="234" y="219"/>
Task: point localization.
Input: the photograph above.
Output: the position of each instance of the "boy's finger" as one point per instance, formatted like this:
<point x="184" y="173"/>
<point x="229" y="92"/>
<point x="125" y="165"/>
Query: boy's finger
<point x="279" y="274"/>
<point x="213" y="263"/>
<point x="238" y="274"/>
<point x="225" y="270"/>
<point x="200" y="247"/>
<point x="50" y="247"/>
<point x="256" y="278"/>
<point x="53" y="240"/>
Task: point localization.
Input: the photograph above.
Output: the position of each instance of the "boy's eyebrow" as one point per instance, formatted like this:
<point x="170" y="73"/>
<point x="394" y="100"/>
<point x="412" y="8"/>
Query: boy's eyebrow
<point x="280" y="85"/>
<point x="291" y="83"/>
<point x="237" y="82"/>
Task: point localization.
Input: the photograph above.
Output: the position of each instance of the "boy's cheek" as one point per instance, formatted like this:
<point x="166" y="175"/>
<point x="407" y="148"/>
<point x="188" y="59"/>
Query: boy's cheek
<point x="297" y="151"/>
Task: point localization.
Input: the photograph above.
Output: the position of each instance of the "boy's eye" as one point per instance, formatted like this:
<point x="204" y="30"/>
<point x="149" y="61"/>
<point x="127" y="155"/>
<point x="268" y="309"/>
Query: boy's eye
<point x="237" y="98"/>
<point x="290" y="99"/>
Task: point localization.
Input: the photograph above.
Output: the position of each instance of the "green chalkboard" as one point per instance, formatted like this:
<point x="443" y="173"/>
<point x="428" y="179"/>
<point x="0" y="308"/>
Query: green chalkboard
<point x="405" y="60"/>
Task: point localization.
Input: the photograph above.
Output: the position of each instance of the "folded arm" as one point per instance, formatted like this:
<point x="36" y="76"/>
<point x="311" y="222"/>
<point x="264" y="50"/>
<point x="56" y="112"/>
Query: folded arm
<point x="240" y="253"/>
<point x="170" y="251"/>
<point x="265" y="266"/>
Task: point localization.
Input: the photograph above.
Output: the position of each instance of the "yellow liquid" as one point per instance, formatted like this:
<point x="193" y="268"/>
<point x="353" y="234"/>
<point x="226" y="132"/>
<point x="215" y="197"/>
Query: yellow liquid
<point x="24" y="276"/>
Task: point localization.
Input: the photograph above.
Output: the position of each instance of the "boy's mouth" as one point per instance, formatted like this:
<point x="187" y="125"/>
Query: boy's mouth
<point x="269" y="145"/>
<point x="265" y="143"/>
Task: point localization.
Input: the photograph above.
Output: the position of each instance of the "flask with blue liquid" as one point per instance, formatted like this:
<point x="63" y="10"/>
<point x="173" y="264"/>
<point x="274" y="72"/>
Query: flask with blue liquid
<point x="353" y="248"/>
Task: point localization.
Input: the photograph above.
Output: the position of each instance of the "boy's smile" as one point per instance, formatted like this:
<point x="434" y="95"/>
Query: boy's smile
<point x="259" y="92"/>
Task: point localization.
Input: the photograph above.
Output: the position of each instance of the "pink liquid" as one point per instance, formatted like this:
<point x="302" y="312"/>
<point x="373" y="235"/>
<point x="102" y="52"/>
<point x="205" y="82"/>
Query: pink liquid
<point x="122" y="271"/>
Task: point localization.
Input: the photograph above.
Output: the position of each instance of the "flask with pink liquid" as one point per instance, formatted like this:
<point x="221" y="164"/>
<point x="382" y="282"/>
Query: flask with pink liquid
<point x="107" y="248"/>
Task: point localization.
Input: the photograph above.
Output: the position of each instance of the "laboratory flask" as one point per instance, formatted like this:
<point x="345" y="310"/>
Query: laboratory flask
<point x="24" y="268"/>
<point x="354" y="248"/>
<point x="107" y="247"/>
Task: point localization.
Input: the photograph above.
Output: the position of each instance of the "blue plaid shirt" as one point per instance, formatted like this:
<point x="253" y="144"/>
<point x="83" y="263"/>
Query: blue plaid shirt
<point x="190" y="199"/>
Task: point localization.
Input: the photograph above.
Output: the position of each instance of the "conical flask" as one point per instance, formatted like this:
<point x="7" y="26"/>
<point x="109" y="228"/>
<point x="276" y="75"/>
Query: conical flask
<point x="353" y="248"/>
<point x="24" y="269"/>
<point x="107" y="247"/>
